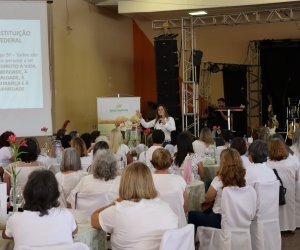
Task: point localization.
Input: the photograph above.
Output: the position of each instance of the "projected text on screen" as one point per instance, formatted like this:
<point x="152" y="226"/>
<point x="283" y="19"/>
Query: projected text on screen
<point x="21" y="83"/>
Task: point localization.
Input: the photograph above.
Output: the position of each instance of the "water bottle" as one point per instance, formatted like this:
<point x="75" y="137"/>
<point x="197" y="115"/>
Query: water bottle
<point x="58" y="150"/>
<point x="245" y="138"/>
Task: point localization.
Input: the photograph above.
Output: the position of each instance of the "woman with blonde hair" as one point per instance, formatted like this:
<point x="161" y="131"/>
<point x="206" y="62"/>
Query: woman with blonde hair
<point x="138" y="219"/>
<point x="203" y="142"/>
<point x="120" y="150"/>
<point x="86" y="160"/>
<point x="231" y="173"/>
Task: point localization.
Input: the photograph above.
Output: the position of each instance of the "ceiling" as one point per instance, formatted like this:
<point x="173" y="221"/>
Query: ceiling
<point x="170" y="9"/>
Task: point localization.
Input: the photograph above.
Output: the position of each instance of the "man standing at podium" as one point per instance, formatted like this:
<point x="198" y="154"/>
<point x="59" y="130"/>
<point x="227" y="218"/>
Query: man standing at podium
<point x="219" y="118"/>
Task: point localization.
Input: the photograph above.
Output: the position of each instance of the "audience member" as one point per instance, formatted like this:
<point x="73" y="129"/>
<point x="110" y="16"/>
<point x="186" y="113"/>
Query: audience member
<point x="158" y="138"/>
<point x="27" y="164"/>
<point x="259" y="171"/>
<point x="137" y="220"/>
<point x="79" y="145"/>
<point x="204" y="141"/>
<point x="186" y="158"/>
<point x="42" y="223"/>
<point x="103" y="178"/>
<point x="231" y="173"/>
<point x="240" y="145"/>
<point x="70" y="173"/>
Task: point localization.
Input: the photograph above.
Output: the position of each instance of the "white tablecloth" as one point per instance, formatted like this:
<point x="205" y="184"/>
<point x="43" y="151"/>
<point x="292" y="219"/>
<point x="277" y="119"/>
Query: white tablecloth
<point x="211" y="171"/>
<point x="196" y="193"/>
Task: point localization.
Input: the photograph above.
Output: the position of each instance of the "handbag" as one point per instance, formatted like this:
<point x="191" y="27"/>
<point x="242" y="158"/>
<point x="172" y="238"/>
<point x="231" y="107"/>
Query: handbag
<point x="282" y="190"/>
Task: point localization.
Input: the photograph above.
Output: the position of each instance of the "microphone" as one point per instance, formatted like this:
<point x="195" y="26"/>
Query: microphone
<point x="160" y="116"/>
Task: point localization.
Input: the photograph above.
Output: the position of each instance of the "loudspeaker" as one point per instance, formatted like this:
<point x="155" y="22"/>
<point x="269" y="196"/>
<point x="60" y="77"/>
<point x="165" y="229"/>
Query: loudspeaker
<point x="167" y="72"/>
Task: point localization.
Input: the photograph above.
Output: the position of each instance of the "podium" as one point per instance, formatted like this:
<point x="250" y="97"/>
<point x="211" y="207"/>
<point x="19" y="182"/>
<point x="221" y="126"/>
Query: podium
<point x="230" y="114"/>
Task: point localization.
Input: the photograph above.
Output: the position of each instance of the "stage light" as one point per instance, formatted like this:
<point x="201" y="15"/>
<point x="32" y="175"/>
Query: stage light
<point x="198" y="13"/>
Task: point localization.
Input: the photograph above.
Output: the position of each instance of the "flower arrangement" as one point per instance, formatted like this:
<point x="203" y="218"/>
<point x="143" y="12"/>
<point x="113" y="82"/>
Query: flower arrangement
<point x="45" y="129"/>
<point x="15" y="146"/>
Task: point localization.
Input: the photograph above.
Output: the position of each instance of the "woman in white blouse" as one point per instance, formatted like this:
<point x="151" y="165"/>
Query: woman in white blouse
<point x="103" y="178"/>
<point x="70" y="173"/>
<point x="231" y="173"/>
<point x="79" y="145"/>
<point x="162" y="121"/>
<point x="138" y="219"/>
<point x="27" y="164"/>
<point x="204" y="141"/>
<point x="42" y="223"/>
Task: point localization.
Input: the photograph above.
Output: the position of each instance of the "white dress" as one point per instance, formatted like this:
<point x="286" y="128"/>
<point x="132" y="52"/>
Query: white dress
<point x="31" y="229"/>
<point x="137" y="225"/>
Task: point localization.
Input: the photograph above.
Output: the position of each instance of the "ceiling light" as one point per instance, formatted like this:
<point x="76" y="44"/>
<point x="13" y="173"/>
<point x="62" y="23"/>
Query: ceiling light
<point x="198" y="13"/>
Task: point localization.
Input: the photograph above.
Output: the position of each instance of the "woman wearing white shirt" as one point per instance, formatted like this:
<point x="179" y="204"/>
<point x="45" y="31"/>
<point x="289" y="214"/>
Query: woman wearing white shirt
<point x="205" y="139"/>
<point x="162" y="121"/>
<point x="79" y="145"/>
<point x="5" y="150"/>
<point x="231" y="173"/>
<point x="70" y="173"/>
<point x="103" y="178"/>
<point x="42" y="223"/>
<point x="139" y="219"/>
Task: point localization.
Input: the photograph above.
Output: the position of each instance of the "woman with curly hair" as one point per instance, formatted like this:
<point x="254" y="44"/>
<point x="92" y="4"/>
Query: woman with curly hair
<point x="231" y="173"/>
<point x="103" y="178"/>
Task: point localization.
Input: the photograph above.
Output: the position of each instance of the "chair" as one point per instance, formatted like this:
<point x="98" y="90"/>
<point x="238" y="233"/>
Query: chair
<point x="238" y="209"/>
<point x="88" y="202"/>
<point x="265" y="230"/>
<point x="175" y="201"/>
<point x="72" y="246"/>
<point x="287" y="212"/>
<point x="178" y="239"/>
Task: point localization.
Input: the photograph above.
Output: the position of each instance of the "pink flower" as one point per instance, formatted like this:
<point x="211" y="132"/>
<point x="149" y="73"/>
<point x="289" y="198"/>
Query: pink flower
<point x="140" y="129"/>
<point x="147" y="131"/>
<point x="23" y="143"/>
<point x="12" y="139"/>
<point x="44" y="129"/>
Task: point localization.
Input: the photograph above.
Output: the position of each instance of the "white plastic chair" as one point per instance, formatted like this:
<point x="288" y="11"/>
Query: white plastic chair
<point x="265" y="230"/>
<point x="175" y="201"/>
<point x="238" y="209"/>
<point x="178" y="239"/>
<point x="287" y="212"/>
<point x="72" y="246"/>
<point x="88" y="202"/>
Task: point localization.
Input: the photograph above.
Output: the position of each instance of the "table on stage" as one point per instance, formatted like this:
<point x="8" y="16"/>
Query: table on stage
<point x="95" y="239"/>
<point x="230" y="115"/>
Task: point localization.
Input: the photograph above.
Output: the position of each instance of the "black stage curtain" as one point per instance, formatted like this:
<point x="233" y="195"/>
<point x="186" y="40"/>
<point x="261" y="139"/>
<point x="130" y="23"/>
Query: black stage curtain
<point x="235" y="93"/>
<point x="280" y="72"/>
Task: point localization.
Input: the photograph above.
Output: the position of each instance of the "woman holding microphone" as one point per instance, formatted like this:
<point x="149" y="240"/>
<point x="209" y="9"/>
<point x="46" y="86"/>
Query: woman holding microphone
<point x="162" y="121"/>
